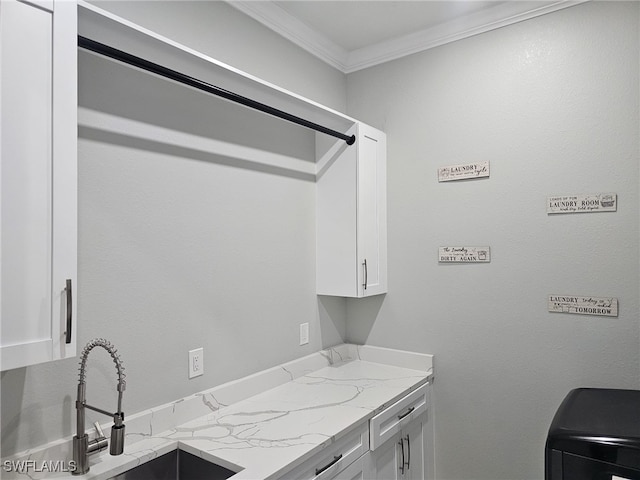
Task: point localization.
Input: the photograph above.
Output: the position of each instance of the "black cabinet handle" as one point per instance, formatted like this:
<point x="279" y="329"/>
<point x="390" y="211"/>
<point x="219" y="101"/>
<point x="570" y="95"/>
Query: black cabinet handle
<point x="400" y="417"/>
<point x="329" y="465"/>
<point x="69" y="311"/>
<point x="408" y="453"/>
<point x="402" y="462"/>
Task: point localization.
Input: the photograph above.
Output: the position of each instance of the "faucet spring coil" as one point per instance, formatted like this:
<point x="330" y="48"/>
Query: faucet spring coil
<point x="108" y="346"/>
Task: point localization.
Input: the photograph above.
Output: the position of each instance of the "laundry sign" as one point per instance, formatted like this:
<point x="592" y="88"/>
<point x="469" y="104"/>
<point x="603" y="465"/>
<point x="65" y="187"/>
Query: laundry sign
<point x="607" y="307"/>
<point x="464" y="254"/>
<point x="462" y="172"/>
<point x="596" y="202"/>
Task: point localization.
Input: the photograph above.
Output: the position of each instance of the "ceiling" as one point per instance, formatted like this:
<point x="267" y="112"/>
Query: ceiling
<point x="354" y="34"/>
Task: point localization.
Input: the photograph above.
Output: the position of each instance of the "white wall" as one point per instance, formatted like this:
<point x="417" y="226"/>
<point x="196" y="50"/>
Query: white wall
<point x="553" y="104"/>
<point x="178" y="248"/>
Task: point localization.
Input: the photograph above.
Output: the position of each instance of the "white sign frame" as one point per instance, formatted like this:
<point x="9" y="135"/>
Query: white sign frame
<point x="582" y="203"/>
<point x="583" y="305"/>
<point x="464" y="254"/>
<point x="464" y="171"/>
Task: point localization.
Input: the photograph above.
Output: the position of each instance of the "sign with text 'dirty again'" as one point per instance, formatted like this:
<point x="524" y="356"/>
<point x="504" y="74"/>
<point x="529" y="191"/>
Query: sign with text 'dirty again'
<point x="464" y="254"/>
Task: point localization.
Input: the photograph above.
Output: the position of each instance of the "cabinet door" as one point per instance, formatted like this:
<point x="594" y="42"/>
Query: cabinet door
<point x="406" y="455"/>
<point x="388" y="461"/>
<point x="372" y="211"/>
<point x="37" y="180"/>
<point x="413" y="439"/>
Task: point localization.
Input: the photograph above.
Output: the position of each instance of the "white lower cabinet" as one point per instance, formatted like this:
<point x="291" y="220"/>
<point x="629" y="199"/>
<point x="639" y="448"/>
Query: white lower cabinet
<point x="402" y="439"/>
<point x="403" y="456"/>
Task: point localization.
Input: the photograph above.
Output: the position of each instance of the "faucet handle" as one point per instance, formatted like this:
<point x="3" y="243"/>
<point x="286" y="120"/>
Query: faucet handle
<point x="100" y="442"/>
<point x="99" y="432"/>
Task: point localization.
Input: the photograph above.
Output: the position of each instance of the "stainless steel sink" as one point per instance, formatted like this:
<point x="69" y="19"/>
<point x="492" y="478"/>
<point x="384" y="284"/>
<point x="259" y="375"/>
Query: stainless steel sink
<point x="176" y="465"/>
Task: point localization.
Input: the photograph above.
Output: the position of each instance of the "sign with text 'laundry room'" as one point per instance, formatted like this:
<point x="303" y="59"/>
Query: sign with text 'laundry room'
<point x="607" y="307"/>
<point x="464" y="254"/>
<point x="463" y="172"/>
<point x="595" y="202"/>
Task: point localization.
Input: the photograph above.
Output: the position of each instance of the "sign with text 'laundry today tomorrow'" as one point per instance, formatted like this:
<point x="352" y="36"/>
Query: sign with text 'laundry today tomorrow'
<point x="607" y="307"/>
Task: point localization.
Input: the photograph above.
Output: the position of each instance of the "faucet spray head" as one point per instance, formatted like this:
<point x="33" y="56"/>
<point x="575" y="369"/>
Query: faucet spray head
<point x="117" y="440"/>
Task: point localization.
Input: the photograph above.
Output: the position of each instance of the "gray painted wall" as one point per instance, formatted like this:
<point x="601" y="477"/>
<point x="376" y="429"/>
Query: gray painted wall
<point x="224" y="33"/>
<point x="179" y="250"/>
<point x="553" y="104"/>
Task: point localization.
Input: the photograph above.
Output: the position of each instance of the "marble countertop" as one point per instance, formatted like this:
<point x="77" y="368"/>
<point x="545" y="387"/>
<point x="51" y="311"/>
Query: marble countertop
<point x="265" y="434"/>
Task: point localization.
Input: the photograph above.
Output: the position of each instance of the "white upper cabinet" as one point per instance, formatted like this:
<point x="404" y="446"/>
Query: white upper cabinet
<point x="38" y="175"/>
<point x="352" y="214"/>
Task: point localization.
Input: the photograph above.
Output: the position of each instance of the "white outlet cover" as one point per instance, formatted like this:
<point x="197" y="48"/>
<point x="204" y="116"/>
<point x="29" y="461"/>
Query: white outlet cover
<point x="196" y="362"/>
<point x="304" y="333"/>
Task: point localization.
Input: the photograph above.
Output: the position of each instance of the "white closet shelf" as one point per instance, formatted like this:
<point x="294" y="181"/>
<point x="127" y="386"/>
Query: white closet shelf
<point x="104" y="27"/>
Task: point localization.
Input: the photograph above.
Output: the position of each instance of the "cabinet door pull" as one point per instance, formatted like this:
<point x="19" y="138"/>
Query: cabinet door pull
<point x="335" y="460"/>
<point x="366" y="274"/>
<point x="408" y="453"/>
<point x="402" y="462"/>
<point x="69" y="312"/>
<point x="400" y="417"/>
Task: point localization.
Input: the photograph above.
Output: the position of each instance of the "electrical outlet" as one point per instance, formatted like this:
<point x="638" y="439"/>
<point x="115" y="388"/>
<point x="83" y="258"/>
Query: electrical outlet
<point x="304" y="333"/>
<point x="196" y="362"/>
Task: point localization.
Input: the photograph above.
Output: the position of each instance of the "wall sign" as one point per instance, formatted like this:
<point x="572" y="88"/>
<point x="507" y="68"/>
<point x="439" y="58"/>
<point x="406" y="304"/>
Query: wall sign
<point x="464" y="254"/>
<point x="462" y="172"/>
<point x="596" y="202"/>
<point x="607" y="307"/>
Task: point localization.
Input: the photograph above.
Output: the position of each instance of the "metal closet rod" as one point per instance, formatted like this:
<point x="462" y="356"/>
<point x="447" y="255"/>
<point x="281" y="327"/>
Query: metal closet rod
<point x="127" y="58"/>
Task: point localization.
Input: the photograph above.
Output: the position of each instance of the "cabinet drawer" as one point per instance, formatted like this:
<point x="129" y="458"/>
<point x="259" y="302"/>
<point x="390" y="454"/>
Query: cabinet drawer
<point x="390" y="421"/>
<point x="334" y="458"/>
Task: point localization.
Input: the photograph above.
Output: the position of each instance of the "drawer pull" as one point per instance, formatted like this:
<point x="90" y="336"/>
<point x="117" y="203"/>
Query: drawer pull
<point x="329" y="465"/>
<point x="400" y="417"/>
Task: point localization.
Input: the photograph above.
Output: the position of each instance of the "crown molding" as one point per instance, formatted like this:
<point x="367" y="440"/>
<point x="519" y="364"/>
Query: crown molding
<point x="282" y="22"/>
<point x="505" y="13"/>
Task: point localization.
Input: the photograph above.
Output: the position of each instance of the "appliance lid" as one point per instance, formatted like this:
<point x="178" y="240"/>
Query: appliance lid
<point x="602" y="424"/>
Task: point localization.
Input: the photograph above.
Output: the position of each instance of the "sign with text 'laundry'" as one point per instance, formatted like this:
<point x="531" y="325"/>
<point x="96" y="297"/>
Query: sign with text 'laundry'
<point x="595" y="202"/>
<point x="607" y="307"/>
<point x="463" y="172"/>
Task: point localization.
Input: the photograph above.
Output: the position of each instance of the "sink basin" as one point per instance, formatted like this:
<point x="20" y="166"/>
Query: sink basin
<point x="176" y="465"/>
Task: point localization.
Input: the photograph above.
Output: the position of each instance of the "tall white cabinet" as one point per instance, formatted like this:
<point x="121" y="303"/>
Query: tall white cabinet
<point x="352" y="214"/>
<point x="38" y="181"/>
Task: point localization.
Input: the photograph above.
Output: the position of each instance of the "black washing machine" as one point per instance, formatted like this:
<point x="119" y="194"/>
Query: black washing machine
<point x="595" y="435"/>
